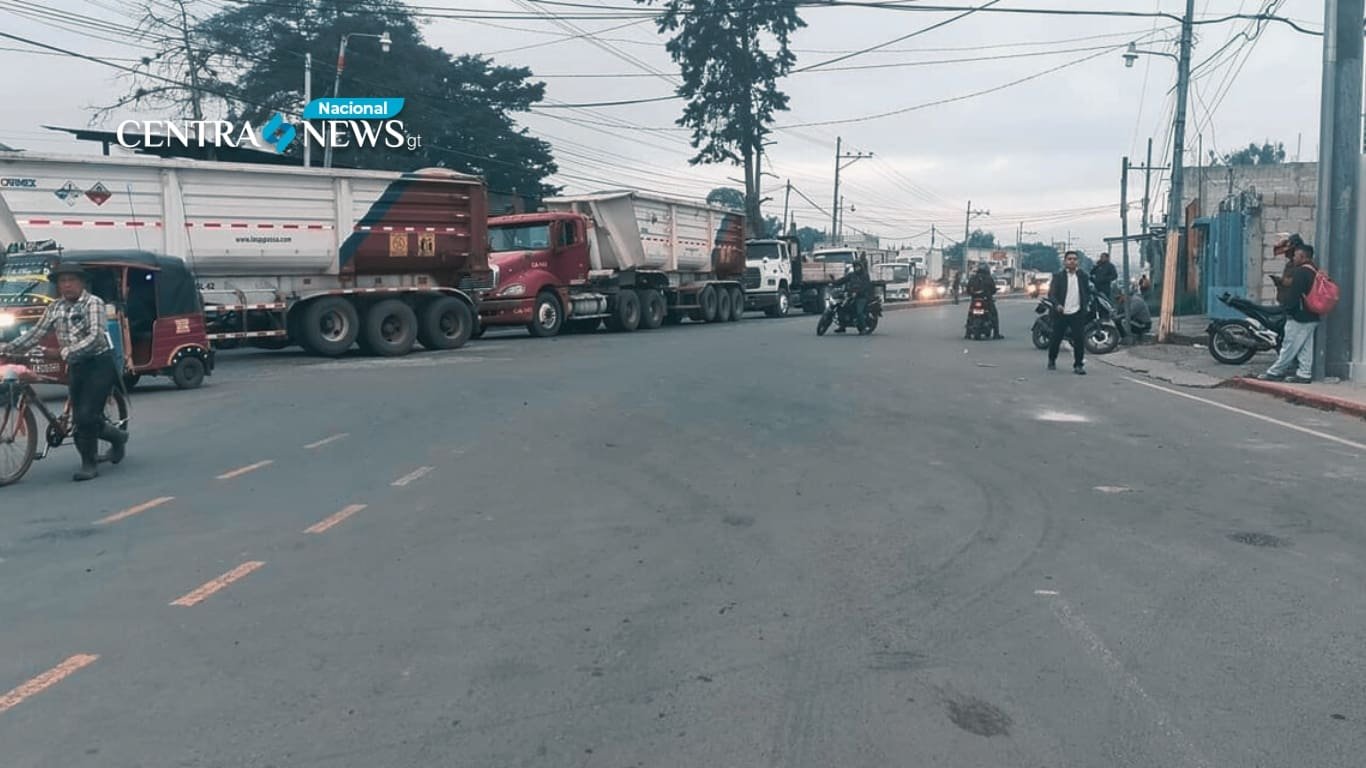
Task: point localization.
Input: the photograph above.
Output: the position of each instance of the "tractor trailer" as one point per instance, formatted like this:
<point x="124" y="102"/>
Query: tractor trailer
<point x="628" y="259"/>
<point x="326" y="259"/>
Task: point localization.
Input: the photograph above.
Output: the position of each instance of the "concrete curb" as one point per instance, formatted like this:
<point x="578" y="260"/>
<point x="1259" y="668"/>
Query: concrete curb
<point x="1293" y="394"/>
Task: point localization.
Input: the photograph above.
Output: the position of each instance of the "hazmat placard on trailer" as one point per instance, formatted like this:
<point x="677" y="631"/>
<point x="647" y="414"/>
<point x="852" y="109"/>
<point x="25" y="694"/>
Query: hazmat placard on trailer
<point x="68" y="193"/>
<point x="98" y="194"/>
<point x="426" y="245"/>
<point x="398" y="244"/>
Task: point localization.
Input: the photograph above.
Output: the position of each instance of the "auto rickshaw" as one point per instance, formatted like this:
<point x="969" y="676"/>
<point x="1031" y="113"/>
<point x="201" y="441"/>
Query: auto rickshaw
<point x="156" y="317"/>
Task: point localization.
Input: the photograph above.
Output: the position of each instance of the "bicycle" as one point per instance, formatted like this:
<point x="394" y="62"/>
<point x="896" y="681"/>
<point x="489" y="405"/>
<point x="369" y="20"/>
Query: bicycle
<point x="19" y="426"/>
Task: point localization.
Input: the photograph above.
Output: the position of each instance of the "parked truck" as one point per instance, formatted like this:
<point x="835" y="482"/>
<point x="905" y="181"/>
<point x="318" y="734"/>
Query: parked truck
<point x="627" y="258"/>
<point x="771" y="267"/>
<point x="326" y="259"/>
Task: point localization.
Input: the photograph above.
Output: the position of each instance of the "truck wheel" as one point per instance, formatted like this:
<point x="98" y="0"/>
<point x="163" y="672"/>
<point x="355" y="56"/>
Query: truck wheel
<point x="723" y="307"/>
<point x="546" y="317"/>
<point x="627" y="316"/>
<point x="706" y="304"/>
<point x="390" y="328"/>
<point x="330" y="326"/>
<point x="652" y="309"/>
<point x="188" y="372"/>
<point x="737" y="304"/>
<point x="447" y="323"/>
<point x="783" y="306"/>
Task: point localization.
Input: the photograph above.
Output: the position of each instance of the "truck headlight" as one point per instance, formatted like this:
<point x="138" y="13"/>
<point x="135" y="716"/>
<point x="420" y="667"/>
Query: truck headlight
<point x="8" y="320"/>
<point x="516" y="289"/>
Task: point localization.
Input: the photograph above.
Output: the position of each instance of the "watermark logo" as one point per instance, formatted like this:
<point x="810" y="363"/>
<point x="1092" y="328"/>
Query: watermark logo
<point x="279" y="133"/>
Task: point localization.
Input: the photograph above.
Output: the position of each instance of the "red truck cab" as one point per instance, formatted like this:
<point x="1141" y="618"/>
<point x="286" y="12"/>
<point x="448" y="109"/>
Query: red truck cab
<point x="536" y="257"/>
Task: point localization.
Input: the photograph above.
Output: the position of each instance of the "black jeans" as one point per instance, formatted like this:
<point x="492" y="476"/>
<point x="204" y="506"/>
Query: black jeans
<point x="90" y="383"/>
<point x="1074" y="328"/>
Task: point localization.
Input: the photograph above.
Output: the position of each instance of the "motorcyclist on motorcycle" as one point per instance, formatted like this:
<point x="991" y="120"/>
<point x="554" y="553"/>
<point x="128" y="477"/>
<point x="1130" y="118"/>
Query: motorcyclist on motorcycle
<point x="982" y="286"/>
<point x="859" y="287"/>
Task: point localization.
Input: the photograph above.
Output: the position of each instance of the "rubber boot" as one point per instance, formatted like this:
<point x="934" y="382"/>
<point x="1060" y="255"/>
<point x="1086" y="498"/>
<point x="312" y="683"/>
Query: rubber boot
<point x="88" y="447"/>
<point x="117" y="439"/>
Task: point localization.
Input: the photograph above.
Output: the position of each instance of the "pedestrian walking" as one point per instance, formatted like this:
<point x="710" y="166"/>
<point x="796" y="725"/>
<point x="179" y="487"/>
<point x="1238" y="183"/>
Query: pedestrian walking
<point x="1297" y="348"/>
<point x="78" y="317"/>
<point x="1071" y="295"/>
<point x="957" y="284"/>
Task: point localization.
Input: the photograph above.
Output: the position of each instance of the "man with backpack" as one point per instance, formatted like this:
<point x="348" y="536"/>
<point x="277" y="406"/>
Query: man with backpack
<point x="1297" y="348"/>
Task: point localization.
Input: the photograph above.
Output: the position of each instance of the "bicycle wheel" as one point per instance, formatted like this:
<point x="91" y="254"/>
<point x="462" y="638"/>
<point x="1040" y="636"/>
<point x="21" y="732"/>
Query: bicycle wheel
<point x="18" y="439"/>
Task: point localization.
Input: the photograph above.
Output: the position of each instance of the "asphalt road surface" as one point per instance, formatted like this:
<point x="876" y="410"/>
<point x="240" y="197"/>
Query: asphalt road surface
<point x="733" y="545"/>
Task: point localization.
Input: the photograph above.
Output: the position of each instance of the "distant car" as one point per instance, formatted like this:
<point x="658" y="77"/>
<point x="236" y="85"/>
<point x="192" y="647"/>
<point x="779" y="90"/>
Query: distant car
<point x="1002" y="285"/>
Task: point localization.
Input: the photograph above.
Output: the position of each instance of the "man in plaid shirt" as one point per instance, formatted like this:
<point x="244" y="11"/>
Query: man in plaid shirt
<point x="78" y="318"/>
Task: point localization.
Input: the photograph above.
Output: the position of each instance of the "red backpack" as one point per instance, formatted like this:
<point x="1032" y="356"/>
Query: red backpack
<point x="1322" y="295"/>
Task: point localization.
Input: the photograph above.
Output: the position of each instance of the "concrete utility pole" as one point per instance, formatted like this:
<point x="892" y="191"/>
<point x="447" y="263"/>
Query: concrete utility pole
<point x="1147" y="183"/>
<point x="840" y="165"/>
<point x="1340" y="164"/>
<point x="1174" y="223"/>
<point x="1124" y="220"/>
<point x="787" y="196"/>
<point x="967" y="234"/>
<point x="308" y="99"/>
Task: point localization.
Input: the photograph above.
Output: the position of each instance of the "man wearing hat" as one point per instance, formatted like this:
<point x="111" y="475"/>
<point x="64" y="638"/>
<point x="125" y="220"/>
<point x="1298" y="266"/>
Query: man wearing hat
<point x="78" y="317"/>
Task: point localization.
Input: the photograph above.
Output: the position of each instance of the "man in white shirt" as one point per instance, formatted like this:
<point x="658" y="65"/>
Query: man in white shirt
<point x="1071" y="294"/>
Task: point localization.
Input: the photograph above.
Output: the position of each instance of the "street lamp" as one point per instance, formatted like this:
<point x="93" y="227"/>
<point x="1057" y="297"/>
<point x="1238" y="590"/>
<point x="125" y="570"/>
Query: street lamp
<point x="385" y="43"/>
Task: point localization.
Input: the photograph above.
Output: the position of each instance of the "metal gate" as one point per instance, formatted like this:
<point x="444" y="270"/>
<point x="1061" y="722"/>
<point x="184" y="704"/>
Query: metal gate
<point x="1225" y="265"/>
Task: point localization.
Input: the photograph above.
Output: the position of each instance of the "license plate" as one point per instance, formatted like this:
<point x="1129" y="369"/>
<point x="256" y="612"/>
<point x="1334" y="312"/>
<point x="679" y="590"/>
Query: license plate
<point x="979" y="311"/>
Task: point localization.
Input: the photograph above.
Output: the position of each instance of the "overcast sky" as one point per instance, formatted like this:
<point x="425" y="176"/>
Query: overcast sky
<point x="1045" y="152"/>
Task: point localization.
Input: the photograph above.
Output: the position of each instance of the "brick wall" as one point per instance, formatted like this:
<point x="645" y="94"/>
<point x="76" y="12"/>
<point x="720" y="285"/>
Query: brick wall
<point x="1276" y="198"/>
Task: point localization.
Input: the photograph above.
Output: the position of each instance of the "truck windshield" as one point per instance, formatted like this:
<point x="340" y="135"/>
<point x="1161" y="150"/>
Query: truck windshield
<point x="757" y="251"/>
<point x="523" y="238"/>
<point x="836" y="257"/>
<point x="24" y="282"/>
<point x="899" y="273"/>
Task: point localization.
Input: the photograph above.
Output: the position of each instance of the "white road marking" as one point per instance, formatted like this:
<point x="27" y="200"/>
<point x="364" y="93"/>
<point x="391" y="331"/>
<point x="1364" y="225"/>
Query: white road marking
<point x="1250" y="414"/>
<point x="326" y="440"/>
<point x="411" y="476"/>
<point x="1070" y="418"/>
<point x="1046" y="592"/>
<point x="1124" y="679"/>
<point x="1113" y="489"/>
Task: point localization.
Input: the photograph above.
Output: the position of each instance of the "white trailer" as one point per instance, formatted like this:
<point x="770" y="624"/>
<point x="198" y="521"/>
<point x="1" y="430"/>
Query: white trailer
<point x="322" y="258"/>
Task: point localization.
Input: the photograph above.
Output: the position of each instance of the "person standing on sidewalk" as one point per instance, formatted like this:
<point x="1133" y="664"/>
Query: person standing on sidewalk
<point x="1071" y="295"/>
<point x="1298" y="346"/>
<point x="78" y="317"/>
<point x="1104" y="275"/>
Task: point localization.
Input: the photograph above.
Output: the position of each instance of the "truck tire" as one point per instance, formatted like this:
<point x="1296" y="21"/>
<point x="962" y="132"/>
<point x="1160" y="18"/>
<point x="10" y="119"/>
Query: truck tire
<point x="330" y="326"/>
<point x="390" y="328"/>
<point x="723" y="307"/>
<point x="547" y="316"/>
<point x="706" y="305"/>
<point x="626" y="318"/>
<point x="652" y="309"/>
<point x="737" y="304"/>
<point x="783" y="306"/>
<point x="447" y="323"/>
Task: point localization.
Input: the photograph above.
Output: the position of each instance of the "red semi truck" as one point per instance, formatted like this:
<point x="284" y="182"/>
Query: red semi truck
<point x="631" y="259"/>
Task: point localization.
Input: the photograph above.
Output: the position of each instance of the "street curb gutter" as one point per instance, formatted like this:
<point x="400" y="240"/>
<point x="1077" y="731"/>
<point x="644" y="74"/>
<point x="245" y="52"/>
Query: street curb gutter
<point x="1293" y="394"/>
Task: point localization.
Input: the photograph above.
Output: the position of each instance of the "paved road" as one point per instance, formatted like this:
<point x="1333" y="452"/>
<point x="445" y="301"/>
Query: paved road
<point x="701" y="546"/>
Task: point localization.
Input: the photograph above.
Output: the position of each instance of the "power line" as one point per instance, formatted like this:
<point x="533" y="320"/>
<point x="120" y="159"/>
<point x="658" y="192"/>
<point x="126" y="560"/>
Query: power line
<point x="895" y="40"/>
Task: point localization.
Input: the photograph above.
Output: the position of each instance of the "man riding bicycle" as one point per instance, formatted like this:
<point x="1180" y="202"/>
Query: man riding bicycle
<point x="78" y="317"/>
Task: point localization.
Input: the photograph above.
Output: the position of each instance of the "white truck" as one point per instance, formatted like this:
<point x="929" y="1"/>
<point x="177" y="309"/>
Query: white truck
<point x="322" y="258"/>
<point x="768" y="276"/>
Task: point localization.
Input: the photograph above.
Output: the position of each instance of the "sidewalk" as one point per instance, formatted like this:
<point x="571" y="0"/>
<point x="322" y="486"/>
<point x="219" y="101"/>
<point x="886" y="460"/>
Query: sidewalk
<point x="1190" y="365"/>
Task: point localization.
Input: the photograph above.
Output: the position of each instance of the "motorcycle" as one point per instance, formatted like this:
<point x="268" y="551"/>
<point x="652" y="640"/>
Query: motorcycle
<point x="839" y="307"/>
<point x="1102" y="332"/>
<point x="979" y="319"/>
<point x="1236" y="341"/>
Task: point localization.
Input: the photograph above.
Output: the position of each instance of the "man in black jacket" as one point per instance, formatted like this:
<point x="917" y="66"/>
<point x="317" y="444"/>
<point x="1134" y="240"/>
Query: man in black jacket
<point x="1071" y="293"/>
<point x="981" y="285"/>
<point x="860" y="287"/>
<point x="1104" y="275"/>
<point x="1298" y="346"/>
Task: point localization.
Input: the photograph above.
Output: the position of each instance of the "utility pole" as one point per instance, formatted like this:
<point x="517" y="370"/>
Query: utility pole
<point x="787" y="196"/>
<point x="1174" y="224"/>
<point x="1124" y="221"/>
<point x="1147" y="184"/>
<point x="837" y="201"/>
<point x="1336" y="351"/>
<point x="967" y="235"/>
<point x="308" y="99"/>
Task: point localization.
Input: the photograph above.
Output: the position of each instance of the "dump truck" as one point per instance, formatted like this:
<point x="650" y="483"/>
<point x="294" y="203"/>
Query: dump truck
<point x="324" y="258"/>
<point x="629" y="259"/>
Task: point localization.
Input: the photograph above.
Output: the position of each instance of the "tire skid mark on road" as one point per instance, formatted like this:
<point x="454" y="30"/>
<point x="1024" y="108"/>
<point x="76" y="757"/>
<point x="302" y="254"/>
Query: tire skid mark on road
<point x="203" y="592"/>
<point x="1251" y="414"/>
<point x="244" y="470"/>
<point x="328" y="440"/>
<point x="135" y="510"/>
<point x="416" y="474"/>
<point x="332" y="520"/>
<point x="1123" y="679"/>
<point x="46" y="680"/>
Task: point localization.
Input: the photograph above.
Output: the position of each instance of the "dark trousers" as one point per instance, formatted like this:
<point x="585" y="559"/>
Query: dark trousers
<point x="90" y="383"/>
<point x="1074" y="328"/>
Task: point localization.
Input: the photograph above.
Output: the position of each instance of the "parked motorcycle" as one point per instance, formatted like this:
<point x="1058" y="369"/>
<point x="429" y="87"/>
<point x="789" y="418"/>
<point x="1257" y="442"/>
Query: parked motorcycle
<point x="1236" y="341"/>
<point x="1102" y="333"/>
<point x="979" y="320"/>
<point x="839" y="307"/>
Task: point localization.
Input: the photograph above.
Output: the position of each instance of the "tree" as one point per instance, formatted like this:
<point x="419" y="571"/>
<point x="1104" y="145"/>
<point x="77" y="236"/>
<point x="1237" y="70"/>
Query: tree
<point x="727" y="197"/>
<point x="1252" y="154"/>
<point x="1040" y="257"/>
<point x="807" y="237"/>
<point x="730" y="81"/>
<point x="978" y="239"/>
<point x="180" y="76"/>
